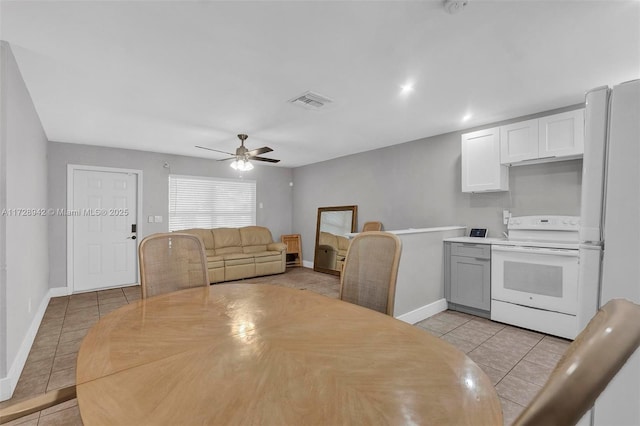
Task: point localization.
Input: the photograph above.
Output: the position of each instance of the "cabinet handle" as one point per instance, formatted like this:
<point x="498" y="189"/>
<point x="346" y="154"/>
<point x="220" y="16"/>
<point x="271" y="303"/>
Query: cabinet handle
<point x="482" y="258"/>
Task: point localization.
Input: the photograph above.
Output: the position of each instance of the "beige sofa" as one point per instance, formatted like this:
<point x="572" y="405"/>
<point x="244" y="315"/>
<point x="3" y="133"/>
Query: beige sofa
<point x="334" y="249"/>
<point x="236" y="253"/>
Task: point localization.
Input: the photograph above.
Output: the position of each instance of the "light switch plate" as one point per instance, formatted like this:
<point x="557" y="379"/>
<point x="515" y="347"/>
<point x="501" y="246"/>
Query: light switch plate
<point x="158" y="219"/>
<point x="150" y="219"/>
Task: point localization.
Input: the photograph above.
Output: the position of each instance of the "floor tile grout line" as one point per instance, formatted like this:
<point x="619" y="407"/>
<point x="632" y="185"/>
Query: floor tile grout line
<point x="517" y="403"/>
<point x="516" y="365"/>
<point x="54" y="353"/>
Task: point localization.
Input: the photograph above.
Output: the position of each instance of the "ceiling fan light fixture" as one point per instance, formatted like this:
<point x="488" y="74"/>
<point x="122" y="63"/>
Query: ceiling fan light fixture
<point x="243" y="155"/>
<point x="242" y="165"/>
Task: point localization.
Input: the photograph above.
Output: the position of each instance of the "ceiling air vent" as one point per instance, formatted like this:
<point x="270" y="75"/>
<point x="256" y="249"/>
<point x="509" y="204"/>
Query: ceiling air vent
<point x="310" y="100"/>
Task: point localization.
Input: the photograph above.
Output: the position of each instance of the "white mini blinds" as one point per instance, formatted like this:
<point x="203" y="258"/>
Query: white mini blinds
<point x="202" y="202"/>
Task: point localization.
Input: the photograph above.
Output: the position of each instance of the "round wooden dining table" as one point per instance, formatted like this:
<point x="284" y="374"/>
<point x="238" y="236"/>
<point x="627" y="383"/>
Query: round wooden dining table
<point x="267" y="355"/>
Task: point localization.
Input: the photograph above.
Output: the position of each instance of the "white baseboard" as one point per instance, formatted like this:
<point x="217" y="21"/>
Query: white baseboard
<point x="8" y="384"/>
<point x="424" y="312"/>
<point x="5" y="389"/>
<point x="58" y="292"/>
<point x="307" y="264"/>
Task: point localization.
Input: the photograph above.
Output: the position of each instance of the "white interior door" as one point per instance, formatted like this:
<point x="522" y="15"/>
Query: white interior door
<point x="104" y="224"/>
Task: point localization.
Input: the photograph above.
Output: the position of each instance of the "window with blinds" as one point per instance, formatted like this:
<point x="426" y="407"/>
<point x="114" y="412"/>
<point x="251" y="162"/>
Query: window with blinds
<point x="202" y="202"/>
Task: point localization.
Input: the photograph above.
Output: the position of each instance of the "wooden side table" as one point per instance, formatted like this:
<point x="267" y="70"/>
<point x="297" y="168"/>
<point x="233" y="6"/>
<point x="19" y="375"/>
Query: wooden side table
<point x="294" y="249"/>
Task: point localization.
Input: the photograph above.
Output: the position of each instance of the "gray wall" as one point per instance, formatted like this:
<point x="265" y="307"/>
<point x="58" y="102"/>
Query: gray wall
<point x="24" y="257"/>
<point x="417" y="185"/>
<point x="273" y="190"/>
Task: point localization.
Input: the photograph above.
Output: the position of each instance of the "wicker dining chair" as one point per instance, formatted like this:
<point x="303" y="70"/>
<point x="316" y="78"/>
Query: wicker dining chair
<point x="588" y="365"/>
<point x="370" y="271"/>
<point x="170" y="262"/>
<point x="372" y="226"/>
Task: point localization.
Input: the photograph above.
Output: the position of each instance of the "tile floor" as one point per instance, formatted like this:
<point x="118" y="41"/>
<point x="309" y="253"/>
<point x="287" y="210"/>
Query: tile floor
<point x="517" y="361"/>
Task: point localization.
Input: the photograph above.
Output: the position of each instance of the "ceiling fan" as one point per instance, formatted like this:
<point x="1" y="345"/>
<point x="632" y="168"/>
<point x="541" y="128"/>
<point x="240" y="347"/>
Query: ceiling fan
<point x="243" y="155"/>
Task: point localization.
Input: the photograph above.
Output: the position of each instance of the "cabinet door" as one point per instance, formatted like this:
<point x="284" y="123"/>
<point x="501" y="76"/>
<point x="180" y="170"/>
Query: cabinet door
<point x="481" y="168"/>
<point x="561" y="134"/>
<point x="471" y="282"/>
<point x="519" y="142"/>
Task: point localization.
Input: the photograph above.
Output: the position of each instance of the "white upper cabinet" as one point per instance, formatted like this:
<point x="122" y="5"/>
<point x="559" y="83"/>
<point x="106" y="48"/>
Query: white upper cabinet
<point x="552" y="138"/>
<point x="519" y="142"/>
<point x="561" y="135"/>
<point x="481" y="168"/>
<point x="487" y="153"/>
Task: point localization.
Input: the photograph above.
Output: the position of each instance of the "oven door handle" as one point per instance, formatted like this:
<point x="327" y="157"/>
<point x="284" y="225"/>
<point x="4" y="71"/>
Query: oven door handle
<point x="536" y="250"/>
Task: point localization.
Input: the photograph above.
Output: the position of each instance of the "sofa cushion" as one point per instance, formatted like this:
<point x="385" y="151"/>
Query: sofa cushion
<point x="233" y="259"/>
<point x="267" y="256"/>
<point x="255" y="238"/>
<point x="215" y="262"/>
<point x="328" y="239"/>
<point x="205" y="235"/>
<point x="343" y="243"/>
<point x="227" y="240"/>
<point x="279" y="247"/>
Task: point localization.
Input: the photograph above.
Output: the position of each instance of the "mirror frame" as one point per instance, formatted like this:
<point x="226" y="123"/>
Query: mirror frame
<point x="354" y="220"/>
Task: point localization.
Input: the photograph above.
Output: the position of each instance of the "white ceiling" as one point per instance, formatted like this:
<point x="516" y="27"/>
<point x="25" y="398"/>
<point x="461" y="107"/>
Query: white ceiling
<point x="165" y="76"/>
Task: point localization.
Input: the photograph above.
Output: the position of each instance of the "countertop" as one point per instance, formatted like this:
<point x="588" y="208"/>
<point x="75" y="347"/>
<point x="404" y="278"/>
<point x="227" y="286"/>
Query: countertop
<point x="475" y="240"/>
<point x="415" y="230"/>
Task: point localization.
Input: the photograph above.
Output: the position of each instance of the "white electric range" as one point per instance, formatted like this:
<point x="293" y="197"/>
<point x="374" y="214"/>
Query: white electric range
<point x="534" y="275"/>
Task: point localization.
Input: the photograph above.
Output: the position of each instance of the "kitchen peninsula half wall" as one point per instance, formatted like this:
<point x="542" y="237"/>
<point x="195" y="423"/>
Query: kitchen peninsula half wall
<point x="420" y="283"/>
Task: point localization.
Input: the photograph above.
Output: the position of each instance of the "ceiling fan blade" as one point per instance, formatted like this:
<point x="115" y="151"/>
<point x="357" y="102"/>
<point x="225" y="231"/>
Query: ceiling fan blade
<point x="259" y="151"/>
<point x="226" y="159"/>
<point x="268" y="160"/>
<point x="216" y="150"/>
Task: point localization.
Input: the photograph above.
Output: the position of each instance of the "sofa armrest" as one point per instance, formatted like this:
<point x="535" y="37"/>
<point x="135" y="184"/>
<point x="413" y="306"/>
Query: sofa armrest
<point x="277" y="247"/>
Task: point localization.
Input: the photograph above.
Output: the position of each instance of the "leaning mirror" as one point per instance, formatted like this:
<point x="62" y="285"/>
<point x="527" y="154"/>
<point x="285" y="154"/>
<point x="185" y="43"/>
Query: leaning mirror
<point x="331" y="242"/>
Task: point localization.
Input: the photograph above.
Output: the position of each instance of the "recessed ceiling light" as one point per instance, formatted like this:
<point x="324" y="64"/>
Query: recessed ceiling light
<point x="406" y="88"/>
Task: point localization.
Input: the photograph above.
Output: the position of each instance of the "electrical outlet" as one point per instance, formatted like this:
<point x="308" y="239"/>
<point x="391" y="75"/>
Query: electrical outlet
<point x="506" y="214"/>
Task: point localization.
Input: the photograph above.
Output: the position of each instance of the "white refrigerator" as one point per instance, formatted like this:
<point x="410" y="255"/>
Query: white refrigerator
<point x="610" y="229"/>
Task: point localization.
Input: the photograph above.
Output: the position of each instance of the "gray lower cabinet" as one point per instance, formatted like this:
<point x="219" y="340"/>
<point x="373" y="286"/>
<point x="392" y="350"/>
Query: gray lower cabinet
<point x="467" y="277"/>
